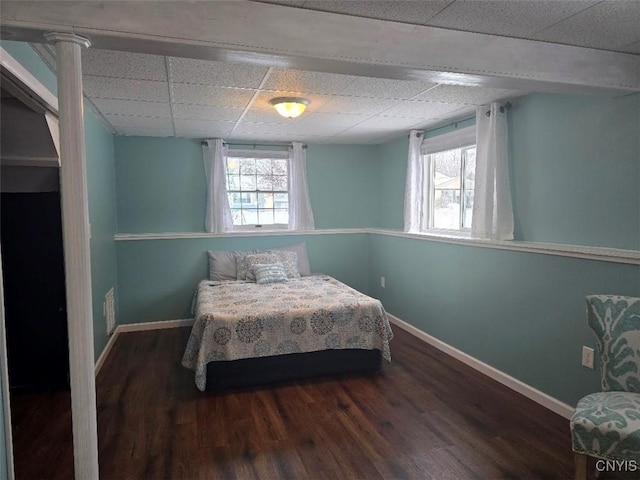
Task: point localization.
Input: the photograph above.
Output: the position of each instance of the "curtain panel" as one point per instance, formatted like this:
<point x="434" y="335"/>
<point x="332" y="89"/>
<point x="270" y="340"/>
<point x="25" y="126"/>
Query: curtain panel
<point x="492" y="207"/>
<point x="217" y="214"/>
<point x="300" y="212"/>
<point x="414" y="184"/>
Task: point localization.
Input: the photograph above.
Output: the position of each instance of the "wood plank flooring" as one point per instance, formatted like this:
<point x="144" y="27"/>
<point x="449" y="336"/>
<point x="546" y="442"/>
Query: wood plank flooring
<point x="426" y="416"/>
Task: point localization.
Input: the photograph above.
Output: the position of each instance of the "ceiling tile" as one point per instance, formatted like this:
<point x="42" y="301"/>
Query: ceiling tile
<point x="138" y="122"/>
<point x="386" y="88"/>
<point x="133" y="107"/>
<point x="416" y="12"/>
<point x="292" y="130"/>
<point x="201" y="128"/>
<point x="631" y="48"/>
<point x="421" y="110"/>
<point x="288" y="3"/>
<point x="112" y="63"/>
<point x="206" y="112"/>
<point x="354" y="139"/>
<point x="466" y="94"/>
<point x="321" y="119"/>
<point x="145" y="132"/>
<point x="510" y="18"/>
<point x="268" y="137"/>
<point x="207" y="95"/>
<point x="387" y="124"/>
<point x="358" y="105"/>
<point x="218" y="74"/>
<point x="125" y="89"/>
<point x="360" y="8"/>
<point x="205" y="125"/>
<point x="262" y="128"/>
<point x="298" y="81"/>
<point x="408" y="11"/>
<point x="191" y="133"/>
<point x="262" y="115"/>
<point x="594" y="27"/>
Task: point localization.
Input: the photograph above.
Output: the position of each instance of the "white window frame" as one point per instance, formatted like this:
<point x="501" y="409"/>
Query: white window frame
<point x="263" y="154"/>
<point x="463" y="139"/>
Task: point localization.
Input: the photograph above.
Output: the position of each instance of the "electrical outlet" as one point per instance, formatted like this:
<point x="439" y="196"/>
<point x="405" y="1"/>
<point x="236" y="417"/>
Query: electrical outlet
<point x="382" y="282"/>
<point x="587" y="357"/>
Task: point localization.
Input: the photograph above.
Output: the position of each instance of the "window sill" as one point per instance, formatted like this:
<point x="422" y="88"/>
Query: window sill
<point x="236" y="233"/>
<point x="605" y="254"/>
<point x="462" y="234"/>
<point x="259" y="230"/>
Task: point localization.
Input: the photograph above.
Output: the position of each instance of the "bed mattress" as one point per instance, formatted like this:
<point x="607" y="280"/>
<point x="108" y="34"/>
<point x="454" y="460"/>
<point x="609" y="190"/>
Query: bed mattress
<point x="241" y="320"/>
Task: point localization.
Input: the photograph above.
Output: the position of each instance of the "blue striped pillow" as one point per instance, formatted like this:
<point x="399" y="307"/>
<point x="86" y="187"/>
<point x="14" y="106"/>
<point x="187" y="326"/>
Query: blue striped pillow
<point x="269" y="272"/>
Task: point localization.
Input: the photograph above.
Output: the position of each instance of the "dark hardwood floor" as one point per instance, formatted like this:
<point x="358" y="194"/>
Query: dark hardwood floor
<point x="425" y="416"/>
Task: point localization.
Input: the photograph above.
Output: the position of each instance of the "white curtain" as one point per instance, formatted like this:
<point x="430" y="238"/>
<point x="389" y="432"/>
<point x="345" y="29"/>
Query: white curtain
<point x="218" y="215"/>
<point x="300" y="213"/>
<point x="492" y="208"/>
<point x="413" y="188"/>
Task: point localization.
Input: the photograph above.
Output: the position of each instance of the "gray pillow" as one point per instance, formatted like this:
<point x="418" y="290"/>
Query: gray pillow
<point x="223" y="264"/>
<point x="303" y="258"/>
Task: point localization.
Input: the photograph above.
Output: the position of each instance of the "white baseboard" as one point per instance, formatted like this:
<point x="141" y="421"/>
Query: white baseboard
<point x="138" y="327"/>
<point x="106" y="350"/>
<point x="528" y="391"/>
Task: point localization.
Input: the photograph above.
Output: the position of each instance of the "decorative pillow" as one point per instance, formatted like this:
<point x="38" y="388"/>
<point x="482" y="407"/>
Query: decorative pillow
<point x="269" y="273"/>
<point x="289" y="260"/>
<point x="303" y="258"/>
<point x="245" y="263"/>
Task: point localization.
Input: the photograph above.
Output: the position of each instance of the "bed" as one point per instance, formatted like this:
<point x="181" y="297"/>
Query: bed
<point x="248" y="334"/>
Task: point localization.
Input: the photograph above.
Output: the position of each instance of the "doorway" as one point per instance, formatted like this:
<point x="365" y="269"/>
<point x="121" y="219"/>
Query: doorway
<point x="33" y="286"/>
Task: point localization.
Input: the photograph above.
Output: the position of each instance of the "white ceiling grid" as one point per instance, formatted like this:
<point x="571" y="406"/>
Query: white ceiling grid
<point x="141" y="94"/>
<point x="137" y="95"/>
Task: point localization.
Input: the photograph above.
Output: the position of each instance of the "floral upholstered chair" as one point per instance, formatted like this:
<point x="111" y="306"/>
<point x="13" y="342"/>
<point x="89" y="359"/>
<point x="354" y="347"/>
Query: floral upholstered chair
<point x="606" y="425"/>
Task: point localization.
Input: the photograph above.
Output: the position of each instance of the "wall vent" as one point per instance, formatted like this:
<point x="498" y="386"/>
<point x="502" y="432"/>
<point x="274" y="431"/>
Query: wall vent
<point x="110" y="311"/>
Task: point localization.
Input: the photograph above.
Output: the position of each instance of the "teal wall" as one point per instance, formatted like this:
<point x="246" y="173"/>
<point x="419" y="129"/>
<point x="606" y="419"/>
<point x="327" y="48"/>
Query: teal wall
<point x="161" y="185"/>
<point x="392" y="176"/>
<point x="522" y="313"/>
<point x="157" y="278"/>
<point x="343" y="185"/>
<point x="101" y="190"/>
<point x="576" y="169"/>
<point x="30" y="60"/>
<point x="575" y="174"/>
<point x="102" y="216"/>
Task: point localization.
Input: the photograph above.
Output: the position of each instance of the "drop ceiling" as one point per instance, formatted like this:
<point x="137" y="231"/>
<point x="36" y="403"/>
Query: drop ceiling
<point x="142" y="94"/>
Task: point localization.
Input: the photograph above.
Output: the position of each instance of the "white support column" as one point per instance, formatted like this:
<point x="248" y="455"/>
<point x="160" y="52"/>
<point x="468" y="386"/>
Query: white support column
<point x="75" y="222"/>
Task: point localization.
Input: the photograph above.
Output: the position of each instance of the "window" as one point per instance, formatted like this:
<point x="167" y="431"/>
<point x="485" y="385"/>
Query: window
<point x="258" y="189"/>
<point x="449" y="177"/>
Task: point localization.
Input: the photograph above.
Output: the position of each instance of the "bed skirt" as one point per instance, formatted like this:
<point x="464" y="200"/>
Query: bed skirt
<point x="250" y="372"/>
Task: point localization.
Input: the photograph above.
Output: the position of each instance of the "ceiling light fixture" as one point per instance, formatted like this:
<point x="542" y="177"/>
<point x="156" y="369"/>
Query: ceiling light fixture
<point x="289" y="107"/>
